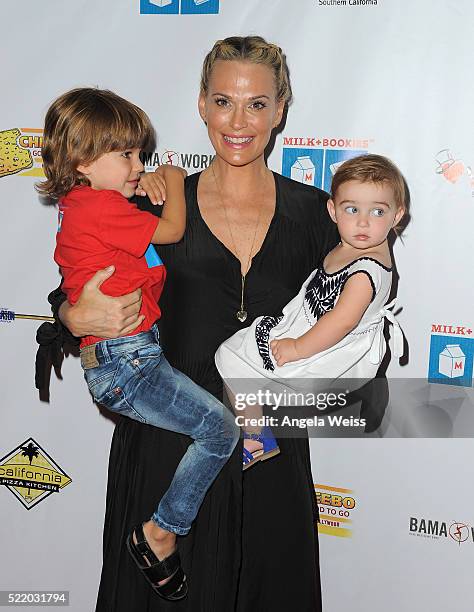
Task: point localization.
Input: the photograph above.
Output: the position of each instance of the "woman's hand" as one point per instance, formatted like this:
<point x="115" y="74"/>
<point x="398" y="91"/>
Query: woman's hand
<point x="153" y="184"/>
<point x="97" y="314"/>
<point x="284" y="350"/>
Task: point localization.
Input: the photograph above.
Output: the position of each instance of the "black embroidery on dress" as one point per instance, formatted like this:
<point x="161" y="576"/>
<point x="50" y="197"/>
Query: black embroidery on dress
<point x="323" y="290"/>
<point x="262" y="335"/>
<point x="320" y="297"/>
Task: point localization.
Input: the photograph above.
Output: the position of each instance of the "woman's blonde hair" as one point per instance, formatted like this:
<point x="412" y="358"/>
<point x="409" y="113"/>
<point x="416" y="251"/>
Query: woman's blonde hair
<point x="256" y="50"/>
<point x="80" y="126"/>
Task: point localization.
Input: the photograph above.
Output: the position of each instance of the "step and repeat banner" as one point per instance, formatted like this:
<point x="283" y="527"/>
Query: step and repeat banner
<point x="381" y="76"/>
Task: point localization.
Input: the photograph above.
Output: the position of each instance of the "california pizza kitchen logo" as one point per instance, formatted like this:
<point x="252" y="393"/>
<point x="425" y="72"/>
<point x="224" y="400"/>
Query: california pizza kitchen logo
<point x="31" y="474"/>
<point x="193" y="162"/>
<point x="336" y="509"/>
<point x="313" y="160"/>
<point x="439" y="530"/>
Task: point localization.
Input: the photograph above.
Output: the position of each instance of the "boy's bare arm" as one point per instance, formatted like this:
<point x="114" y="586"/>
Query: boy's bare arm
<point x="173" y="219"/>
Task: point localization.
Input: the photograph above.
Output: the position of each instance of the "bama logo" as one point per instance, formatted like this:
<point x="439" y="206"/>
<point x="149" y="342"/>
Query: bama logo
<point x="314" y="161"/>
<point x="20" y="152"/>
<point x="31" y="474"/>
<point x="336" y="506"/>
<point x="451" y="356"/>
<point x="176" y="7"/>
<point x="189" y="161"/>
<point x="439" y="530"/>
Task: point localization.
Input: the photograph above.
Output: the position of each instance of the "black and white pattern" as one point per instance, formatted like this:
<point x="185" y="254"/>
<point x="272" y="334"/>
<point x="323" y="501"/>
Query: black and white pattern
<point x="320" y="297"/>
<point x="262" y="335"/>
<point x="246" y="356"/>
<point x="322" y="292"/>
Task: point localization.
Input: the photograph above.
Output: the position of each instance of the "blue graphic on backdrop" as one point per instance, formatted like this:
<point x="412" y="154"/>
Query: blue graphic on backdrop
<point x="315" y="166"/>
<point x="60" y="220"/>
<point x="152" y="258"/>
<point x="159" y="7"/>
<point x="202" y="7"/>
<point x="303" y="165"/>
<point x="451" y="360"/>
<point x="173" y="7"/>
<point x="335" y="158"/>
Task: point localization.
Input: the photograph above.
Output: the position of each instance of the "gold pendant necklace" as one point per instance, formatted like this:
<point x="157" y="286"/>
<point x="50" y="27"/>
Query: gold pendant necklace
<point x="241" y="314"/>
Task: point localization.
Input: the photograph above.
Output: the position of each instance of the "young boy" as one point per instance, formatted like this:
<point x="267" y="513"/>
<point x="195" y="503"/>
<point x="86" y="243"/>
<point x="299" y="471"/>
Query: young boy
<point x="92" y="141"/>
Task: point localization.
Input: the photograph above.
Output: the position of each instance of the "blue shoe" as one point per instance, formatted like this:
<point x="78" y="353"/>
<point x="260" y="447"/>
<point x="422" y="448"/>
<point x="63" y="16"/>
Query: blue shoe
<point x="269" y="450"/>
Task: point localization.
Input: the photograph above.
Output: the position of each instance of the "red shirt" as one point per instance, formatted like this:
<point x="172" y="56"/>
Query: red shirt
<point x="100" y="228"/>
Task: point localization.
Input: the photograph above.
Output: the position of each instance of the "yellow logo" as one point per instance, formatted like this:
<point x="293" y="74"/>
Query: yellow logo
<point x="20" y="152"/>
<point x="336" y="506"/>
<point x="31" y="474"/>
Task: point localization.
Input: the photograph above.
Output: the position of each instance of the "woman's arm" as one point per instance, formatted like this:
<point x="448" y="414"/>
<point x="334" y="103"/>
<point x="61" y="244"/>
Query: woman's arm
<point x="97" y="314"/>
<point x="332" y="327"/>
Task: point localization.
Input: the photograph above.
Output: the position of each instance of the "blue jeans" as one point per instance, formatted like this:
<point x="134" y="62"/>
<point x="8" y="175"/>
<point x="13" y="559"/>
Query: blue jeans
<point x="132" y="377"/>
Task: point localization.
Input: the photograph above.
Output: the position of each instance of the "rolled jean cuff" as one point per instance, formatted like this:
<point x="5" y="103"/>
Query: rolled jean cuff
<point x="182" y="531"/>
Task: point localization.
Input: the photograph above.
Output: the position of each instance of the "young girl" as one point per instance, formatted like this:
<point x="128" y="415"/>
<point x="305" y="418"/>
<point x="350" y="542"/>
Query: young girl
<point x="333" y="328"/>
<point x="92" y="141"/>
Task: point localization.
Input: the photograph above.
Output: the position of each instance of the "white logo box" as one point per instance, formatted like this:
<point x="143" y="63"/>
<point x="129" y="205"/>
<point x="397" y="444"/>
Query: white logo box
<point x="452" y="361"/>
<point x="303" y="170"/>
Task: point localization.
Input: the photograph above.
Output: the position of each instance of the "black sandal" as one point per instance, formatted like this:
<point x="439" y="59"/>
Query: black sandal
<point x="155" y="571"/>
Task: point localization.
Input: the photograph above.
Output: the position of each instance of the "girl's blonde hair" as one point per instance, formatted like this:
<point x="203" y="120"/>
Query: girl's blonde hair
<point x="256" y="50"/>
<point x="80" y="126"/>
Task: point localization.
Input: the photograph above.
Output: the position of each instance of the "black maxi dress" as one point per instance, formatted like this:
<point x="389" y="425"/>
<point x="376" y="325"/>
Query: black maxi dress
<point x="254" y="544"/>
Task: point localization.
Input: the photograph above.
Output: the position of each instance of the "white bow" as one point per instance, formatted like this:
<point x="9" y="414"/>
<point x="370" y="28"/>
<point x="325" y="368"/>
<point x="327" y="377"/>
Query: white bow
<point x="377" y="349"/>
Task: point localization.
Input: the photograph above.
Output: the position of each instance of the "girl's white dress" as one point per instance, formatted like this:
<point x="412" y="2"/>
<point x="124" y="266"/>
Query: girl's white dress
<point x="245" y="361"/>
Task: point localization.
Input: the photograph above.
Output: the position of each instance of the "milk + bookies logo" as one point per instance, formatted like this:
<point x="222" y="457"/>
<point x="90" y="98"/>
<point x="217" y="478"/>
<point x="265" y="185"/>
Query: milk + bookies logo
<point x="176" y="7"/>
<point x="451" y="355"/>
<point x="315" y="160"/>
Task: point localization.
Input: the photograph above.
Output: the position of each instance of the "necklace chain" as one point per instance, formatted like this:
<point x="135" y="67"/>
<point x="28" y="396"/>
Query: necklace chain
<point x="241" y="314"/>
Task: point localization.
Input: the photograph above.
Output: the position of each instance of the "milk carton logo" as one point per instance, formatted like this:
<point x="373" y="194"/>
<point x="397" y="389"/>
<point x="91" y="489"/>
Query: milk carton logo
<point x="203" y="7"/>
<point x="334" y="159"/>
<point x="452" y="361"/>
<point x="175" y="7"/>
<point x="451" y="357"/>
<point x="314" y="166"/>
<point x="303" y="170"/>
<point x="304" y="165"/>
<point x="335" y="167"/>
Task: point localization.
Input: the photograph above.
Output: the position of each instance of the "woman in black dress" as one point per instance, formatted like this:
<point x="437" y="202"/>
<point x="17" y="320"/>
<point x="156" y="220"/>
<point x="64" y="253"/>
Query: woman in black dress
<point x="252" y="237"/>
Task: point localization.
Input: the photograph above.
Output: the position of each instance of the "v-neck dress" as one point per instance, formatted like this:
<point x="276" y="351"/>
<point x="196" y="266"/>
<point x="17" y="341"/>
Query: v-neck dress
<point x="247" y="365"/>
<point x="254" y="543"/>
